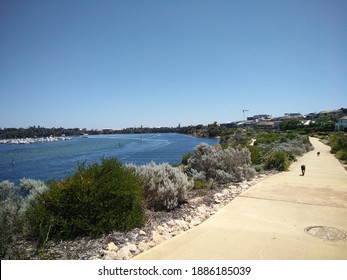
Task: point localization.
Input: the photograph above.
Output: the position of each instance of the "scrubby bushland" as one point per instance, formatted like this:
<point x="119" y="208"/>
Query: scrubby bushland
<point x="277" y="160"/>
<point x="279" y="154"/>
<point x="338" y="143"/>
<point x="267" y="137"/>
<point x="185" y="158"/>
<point x="215" y="165"/>
<point x="14" y="201"/>
<point x="93" y="200"/>
<point x="165" y="186"/>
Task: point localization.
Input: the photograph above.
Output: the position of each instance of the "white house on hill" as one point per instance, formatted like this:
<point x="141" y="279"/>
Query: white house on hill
<point x="341" y="124"/>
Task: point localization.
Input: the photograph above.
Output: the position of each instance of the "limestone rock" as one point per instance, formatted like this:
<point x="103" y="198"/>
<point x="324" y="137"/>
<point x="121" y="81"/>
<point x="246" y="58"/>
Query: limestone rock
<point x="201" y="210"/>
<point x="111" y="255"/>
<point x="125" y="253"/>
<point x="218" y="195"/>
<point x="195" y="221"/>
<point x="112" y="247"/>
<point x="188" y="218"/>
<point x="158" y="239"/>
<point x="143" y="246"/>
<point x="225" y="192"/>
<point x="182" y="224"/>
<point x="160" y="229"/>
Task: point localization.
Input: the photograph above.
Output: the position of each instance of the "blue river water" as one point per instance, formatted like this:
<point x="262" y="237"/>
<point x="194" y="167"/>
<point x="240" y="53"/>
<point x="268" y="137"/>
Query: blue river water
<point x="44" y="161"/>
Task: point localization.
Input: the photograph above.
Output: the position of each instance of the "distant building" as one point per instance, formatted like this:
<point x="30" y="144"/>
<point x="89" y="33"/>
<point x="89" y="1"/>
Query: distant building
<point x="308" y="122"/>
<point x="293" y="115"/>
<point x="259" y="117"/>
<point x="330" y="113"/>
<point x="229" y="124"/>
<point x="266" y="124"/>
<point x="262" y="117"/>
<point x="312" y="115"/>
<point x="341" y="124"/>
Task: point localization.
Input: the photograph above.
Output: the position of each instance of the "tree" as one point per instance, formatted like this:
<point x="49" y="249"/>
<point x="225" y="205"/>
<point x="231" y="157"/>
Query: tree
<point x="290" y="124"/>
<point x="325" y="123"/>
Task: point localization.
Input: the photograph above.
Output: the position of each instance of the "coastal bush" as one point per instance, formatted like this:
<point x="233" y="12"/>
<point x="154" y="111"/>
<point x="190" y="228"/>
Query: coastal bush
<point x="281" y="152"/>
<point x="257" y="154"/>
<point x="267" y="138"/>
<point x="338" y="142"/>
<point x="93" y="200"/>
<point x="186" y="157"/>
<point x="10" y="221"/>
<point x="165" y="187"/>
<point x="14" y="201"/>
<point x="277" y="160"/>
<point x="296" y="146"/>
<point x="200" y="185"/>
<point x="338" y="145"/>
<point x="290" y="124"/>
<point x="215" y="165"/>
<point x="342" y="155"/>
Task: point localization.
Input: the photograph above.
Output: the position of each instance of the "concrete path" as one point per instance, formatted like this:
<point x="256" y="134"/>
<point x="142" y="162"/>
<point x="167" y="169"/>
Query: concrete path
<point x="285" y="217"/>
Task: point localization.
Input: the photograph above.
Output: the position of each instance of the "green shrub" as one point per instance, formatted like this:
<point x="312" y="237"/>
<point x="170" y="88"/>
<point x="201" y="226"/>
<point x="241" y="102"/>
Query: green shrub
<point x="342" y="155"/>
<point x="277" y="160"/>
<point x="200" y="185"/>
<point x="186" y="157"/>
<point x="93" y="200"/>
<point x="256" y="154"/>
<point x="338" y="142"/>
<point x="267" y="138"/>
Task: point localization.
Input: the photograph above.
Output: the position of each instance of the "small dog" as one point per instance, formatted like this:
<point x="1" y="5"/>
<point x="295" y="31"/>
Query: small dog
<point x="318" y="154"/>
<point x="303" y="169"/>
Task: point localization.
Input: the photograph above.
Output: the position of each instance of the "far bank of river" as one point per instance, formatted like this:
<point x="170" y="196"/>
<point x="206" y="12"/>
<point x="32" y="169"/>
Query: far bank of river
<point x="55" y="159"/>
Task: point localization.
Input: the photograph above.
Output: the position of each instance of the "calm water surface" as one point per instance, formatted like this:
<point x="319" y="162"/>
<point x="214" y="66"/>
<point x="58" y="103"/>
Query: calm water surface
<point x="45" y="161"/>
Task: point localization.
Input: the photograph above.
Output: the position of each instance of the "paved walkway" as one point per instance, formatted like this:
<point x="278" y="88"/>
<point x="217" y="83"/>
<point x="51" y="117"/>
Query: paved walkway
<point x="287" y="216"/>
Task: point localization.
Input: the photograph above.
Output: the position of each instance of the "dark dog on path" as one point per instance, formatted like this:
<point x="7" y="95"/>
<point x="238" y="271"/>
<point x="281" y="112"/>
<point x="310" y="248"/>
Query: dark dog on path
<point x="318" y="154"/>
<point x="303" y="169"/>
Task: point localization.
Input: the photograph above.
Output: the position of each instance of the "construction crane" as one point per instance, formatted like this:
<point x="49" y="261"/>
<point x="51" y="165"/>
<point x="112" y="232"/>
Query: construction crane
<point x="243" y="111"/>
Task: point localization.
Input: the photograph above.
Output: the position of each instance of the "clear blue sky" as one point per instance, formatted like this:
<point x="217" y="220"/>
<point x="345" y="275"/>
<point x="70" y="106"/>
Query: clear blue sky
<point x="116" y="64"/>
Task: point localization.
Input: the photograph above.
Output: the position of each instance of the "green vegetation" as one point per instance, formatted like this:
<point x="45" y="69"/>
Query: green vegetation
<point x="14" y="201"/>
<point x="338" y="143"/>
<point x="277" y="150"/>
<point x="277" y="160"/>
<point x="290" y="124"/>
<point x="186" y="157"/>
<point x="257" y="154"/>
<point x="271" y="150"/>
<point x="320" y="124"/>
<point x="165" y="187"/>
<point x="217" y="166"/>
<point x="267" y="137"/>
<point x="95" y="199"/>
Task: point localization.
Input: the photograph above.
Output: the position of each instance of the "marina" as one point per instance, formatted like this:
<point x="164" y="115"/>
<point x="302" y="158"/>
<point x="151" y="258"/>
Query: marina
<point x="19" y="141"/>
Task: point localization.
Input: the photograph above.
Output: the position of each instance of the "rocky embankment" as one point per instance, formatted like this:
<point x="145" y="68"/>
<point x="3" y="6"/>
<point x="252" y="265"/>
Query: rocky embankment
<point x="161" y="226"/>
